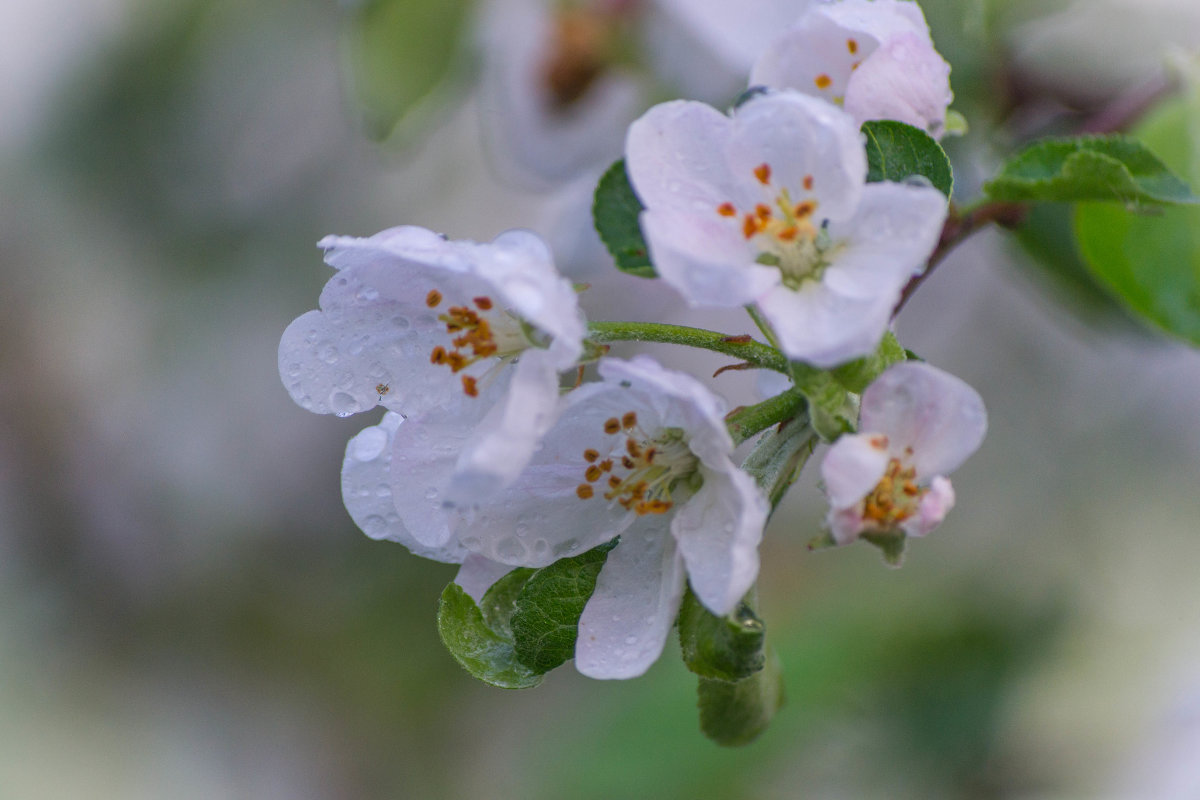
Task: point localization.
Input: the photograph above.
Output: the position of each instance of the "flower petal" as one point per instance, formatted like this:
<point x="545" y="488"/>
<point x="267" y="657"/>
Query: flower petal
<point x="630" y="614"/>
<point x="937" y="415"/>
<point x="904" y="80"/>
<point x="477" y="574"/>
<point x="888" y="240"/>
<point x="675" y="157"/>
<point x="367" y="491"/>
<point x="506" y="438"/>
<point x="932" y="509"/>
<point x="718" y="531"/>
<point x="853" y="466"/>
<point x="823" y="327"/>
<point x="705" y="257"/>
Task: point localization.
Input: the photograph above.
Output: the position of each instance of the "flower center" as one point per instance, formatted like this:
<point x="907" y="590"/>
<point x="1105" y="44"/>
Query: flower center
<point x="895" y="498"/>
<point x="651" y="468"/>
<point x="582" y="45"/>
<point x="475" y="335"/>
<point x="783" y="230"/>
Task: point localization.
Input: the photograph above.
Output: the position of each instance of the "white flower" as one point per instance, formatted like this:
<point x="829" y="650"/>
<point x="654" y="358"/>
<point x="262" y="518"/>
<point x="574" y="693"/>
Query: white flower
<point x="872" y="57"/>
<point x="563" y="80"/>
<point x="367" y="492"/>
<point x="918" y="423"/>
<point x="417" y="323"/>
<point x="645" y="454"/>
<point x="771" y="206"/>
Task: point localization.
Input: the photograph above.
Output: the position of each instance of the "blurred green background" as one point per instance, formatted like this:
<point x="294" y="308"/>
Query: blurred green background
<point x="187" y="611"/>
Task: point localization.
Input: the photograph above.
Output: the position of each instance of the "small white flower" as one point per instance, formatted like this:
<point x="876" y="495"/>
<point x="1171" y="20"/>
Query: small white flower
<point x="643" y="454"/>
<point x="874" y="58"/>
<point x="771" y="206"/>
<point x="417" y="323"/>
<point x="918" y="423"/>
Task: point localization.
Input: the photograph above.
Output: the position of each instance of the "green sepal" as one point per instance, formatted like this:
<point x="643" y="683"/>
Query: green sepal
<point x="545" y="622"/>
<point x="857" y="375"/>
<point x="615" y="210"/>
<point x="481" y="649"/>
<point x="727" y="648"/>
<point x="897" y="152"/>
<point x="831" y="409"/>
<point x="733" y="714"/>
<point x="1107" y="168"/>
<point x="891" y="545"/>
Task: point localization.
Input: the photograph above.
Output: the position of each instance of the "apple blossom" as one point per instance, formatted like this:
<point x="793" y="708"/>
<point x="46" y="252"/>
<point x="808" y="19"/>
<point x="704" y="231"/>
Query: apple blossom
<point x="771" y="206"/>
<point x="415" y="322"/>
<point x="644" y="454"/>
<point x="874" y="58"/>
<point x="917" y="424"/>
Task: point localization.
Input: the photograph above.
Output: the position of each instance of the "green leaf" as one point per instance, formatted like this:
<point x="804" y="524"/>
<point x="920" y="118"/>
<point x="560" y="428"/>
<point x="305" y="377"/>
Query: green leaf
<point x="482" y="650"/>
<point x="499" y="602"/>
<point x="735" y="714"/>
<point x="399" y="51"/>
<point x="722" y="648"/>
<point x="615" y="212"/>
<point x="857" y="375"/>
<point x="1103" y="168"/>
<point x="1152" y="263"/>
<point x="546" y="620"/>
<point x="897" y="151"/>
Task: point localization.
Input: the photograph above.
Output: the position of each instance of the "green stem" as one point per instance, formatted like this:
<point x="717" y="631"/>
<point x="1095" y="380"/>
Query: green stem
<point x="764" y="326"/>
<point x="748" y="421"/>
<point x="743" y="347"/>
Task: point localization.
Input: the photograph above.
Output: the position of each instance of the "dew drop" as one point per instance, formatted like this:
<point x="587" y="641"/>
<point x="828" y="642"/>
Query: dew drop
<point x="343" y="404"/>
<point x="509" y="548"/>
<point x="328" y="353"/>
<point x="366" y="294"/>
<point x="294" y="369"/>
<point x="566" y="548"/>
<point x="631" y="640"/>
<point x="431" y="493"/>
<point x="401" y="323"/>
<point x="470" y="542"/>
<point x="374" y="525"/>
<point x="383" y="490"/>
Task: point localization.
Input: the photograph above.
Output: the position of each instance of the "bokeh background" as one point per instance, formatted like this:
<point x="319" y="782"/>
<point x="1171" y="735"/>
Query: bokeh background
<point x="186" y="611"/>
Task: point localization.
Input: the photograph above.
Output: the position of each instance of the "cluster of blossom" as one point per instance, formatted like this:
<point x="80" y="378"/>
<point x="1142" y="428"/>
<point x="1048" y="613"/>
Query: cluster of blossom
<point x="494" y="454"/>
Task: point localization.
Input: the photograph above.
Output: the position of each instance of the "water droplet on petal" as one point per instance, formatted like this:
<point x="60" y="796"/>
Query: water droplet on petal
<point x="401" y="323"/>
<point x="344" y="404"/>
<point x="431" y="493"/>
<point x="510" y="549"/>
<point x="294" y="369"/>
<point x="631" y="640"/>
<point x="374" y="525"/>
<point x="328" y="353"/>
<point x="383" y="490"/>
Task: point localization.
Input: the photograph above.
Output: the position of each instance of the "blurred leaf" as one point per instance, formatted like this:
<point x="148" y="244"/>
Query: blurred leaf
<point x="857" y="375"/>
<point x="897" y="151"/>
<point x="733" y="714"/>
<point x="482" y="650"/>
<point x="399" y="51"/>
<point x="615" y="214"/>
<point x="1152" y="263"/>
<point x="545" y="623"/>
<point x="726" y="648"/>
<point x="1088" y="168"/>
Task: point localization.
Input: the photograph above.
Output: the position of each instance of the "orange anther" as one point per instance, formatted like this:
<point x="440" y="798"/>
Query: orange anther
<point x="808" y="183"/>
<point x="763" y="173"/>
<point x="823" y="81"/>
<point x="593" y="473"/>
<point x="612" y="425"/>
<point x="583" y="491"/>
<point x="852" y="46"/>
<point x="590" y="455"/>
<point x="726" y="210"/>
<point x="433" y="298"/>
<point x="469" y="386"/>
<point x="483" y="303"/>
<point x="629" y="420"/>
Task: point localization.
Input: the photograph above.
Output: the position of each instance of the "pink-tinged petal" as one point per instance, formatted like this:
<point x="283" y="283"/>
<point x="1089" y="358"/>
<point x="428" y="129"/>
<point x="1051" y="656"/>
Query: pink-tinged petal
<point x="404" y="241"/>
<point x="477" y="574"/>
<point x="718" y="531"/>
<point x="934" y="413"/>
<point x="824" y="328"/>
<point x="853" y="467"/>
<point x="706" y="258"/>
<point x="878" y="19"/>
<point x="367" y="482"/>
<point x="675" y="157"/>
<point x="812" y="57"/>
<point x="627" y="620"/>
<point x="935" y="504"/>
<point x="509" y="434"/>
<point x="845" y="524"/>
<point x="888" y="240"/>
<point x="805" y="141"/>
<point x="905" y="80"/>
